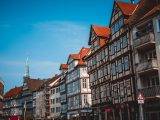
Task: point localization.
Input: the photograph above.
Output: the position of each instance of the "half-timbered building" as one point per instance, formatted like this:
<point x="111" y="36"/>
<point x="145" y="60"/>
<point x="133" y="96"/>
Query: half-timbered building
<point x="121" y="63"/>
<point x="99" y="71"/>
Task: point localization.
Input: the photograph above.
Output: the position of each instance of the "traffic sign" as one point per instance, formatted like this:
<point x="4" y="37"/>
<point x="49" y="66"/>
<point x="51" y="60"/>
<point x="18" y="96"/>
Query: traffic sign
<point x="140" y="98"/>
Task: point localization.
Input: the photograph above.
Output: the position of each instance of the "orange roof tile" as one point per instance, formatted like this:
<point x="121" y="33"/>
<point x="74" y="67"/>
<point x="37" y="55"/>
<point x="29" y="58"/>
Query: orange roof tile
<point x="13" y="92"/>
<point x="101" y="31"/>
<point x="74" y="56"/>
<point x="63" y="66"/>
<point x="127" y="8"/>
<point x="83" y="52"/>
<point x="1" y="87"/>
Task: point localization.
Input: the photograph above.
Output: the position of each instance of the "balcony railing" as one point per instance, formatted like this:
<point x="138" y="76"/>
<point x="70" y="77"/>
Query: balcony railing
<point x="144" y="40"/>
<point x="150" y="92"/>
<point x="148" y="65"/>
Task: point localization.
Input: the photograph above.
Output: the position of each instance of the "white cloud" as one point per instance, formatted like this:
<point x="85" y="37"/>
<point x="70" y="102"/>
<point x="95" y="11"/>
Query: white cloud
<point x="37" y="68"/>
<point x="65" y="33"/>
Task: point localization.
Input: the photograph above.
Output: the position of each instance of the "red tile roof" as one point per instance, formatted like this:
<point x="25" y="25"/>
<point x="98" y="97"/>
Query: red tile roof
<point x="34" y="84"/>
<point x="127" y="8"/>
<point x="74" y="56"/>
<point x="63" y="67"/>
<point x="101" y="31"/>
<point x="1" y="87"/>
<point x="82" y="53"/>
<point x="144" y="8"/>
<point x="13" y="92"/>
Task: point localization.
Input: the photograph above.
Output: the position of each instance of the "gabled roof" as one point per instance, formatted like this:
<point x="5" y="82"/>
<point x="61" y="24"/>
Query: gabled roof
<point x="100" y="31"/>
<point x="63" y="67"/>
<point x="13" y="92"/>
<point x="145" y="8"/>
<point x="126" y="8"/>
<point x="79" y="56"/>
<point x="34" y="84"/>
<point x="74" y="56"/>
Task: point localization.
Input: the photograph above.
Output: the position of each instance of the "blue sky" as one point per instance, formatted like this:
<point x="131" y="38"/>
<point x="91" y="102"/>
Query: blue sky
<point x="46" y="31"/>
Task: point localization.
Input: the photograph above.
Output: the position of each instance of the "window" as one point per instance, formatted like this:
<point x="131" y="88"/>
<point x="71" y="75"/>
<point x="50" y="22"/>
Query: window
<point x="120" y="66"/>
<point x="106" y="52"/>
<point x="126" y="63"/>
<point x="63" y="98"/>
<point x="52" y="91"/>
<point x="125" y="41"/>
<point x="121" y="87"/>
<point x="100" y="73"/>
<point x="112" y="49"/>
<point x="57" y="89"/>
<point x="84" y="83"/>
<point x="103" y="54"/>
<point x="115" y="47"/>
<point x="158" y="25"/>
<point x="57" y="100"/>
<point x="128" y="87"/>
<point x="117" y="25"/>
<point x="52" y="110"/>
<point x="115" y="91"/>
<point x="120" y="22"/>
<point x="85" y="98"/>
<point x="62" y="87"/>
<point x="113" y="69"/>
<point x="57" y="109"/>
<point x="153" y="81"/>
<point x="118" y="45"/>
<point x="113" y="29"/>
<point x="52" y="101"/>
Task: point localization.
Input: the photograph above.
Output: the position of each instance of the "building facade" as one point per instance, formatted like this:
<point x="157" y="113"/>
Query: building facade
<point x="123" y="83"/>
<point x="99" y="70"/>
<point x="12" y="104"/>
<point x="110" y="66"/>
<point x="145" y="32"/>
<point x="78" y="90"/>
<point x="1" y="98"/>
<point x="55" y="104"/>
<point x="63" y="91"/>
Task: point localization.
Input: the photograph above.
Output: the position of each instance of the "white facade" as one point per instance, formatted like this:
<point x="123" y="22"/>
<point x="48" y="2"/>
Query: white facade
<point x="55" y="104"/>
<point x="78" y="90"/>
